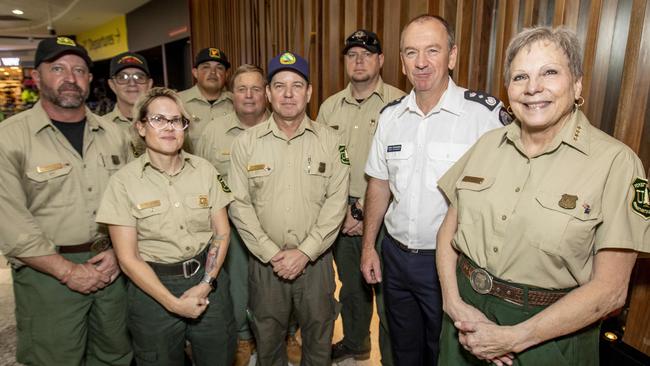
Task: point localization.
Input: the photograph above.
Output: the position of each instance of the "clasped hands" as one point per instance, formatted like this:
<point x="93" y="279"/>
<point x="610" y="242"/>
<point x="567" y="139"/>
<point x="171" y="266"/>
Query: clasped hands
<point x="289" y="263"/>
<point x="93" y="275"/>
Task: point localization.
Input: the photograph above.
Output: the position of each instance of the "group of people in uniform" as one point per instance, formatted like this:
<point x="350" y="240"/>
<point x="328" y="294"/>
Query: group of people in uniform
<point x="205" y="224"/>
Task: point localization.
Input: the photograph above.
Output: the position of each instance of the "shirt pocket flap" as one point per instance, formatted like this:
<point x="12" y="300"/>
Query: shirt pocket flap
<point x="399" y="151"/>
<point x="46" y="172"/>
<point x="474" y="183"/>
<point x="569" y="204"/>
<point x="197" y="201"/>
<point x="149" y="208"/>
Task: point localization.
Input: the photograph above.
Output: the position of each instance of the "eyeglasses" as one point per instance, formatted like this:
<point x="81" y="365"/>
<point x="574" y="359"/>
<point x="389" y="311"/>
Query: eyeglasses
<point x="159" y="122"/>
<point x="123" y="78"/>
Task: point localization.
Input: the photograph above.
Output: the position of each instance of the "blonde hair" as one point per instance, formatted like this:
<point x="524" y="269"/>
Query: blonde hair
<point x="140" y="110"/>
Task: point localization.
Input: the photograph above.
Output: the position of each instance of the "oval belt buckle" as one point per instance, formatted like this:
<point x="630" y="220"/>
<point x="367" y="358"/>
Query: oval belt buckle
<point x="481" y="281"/>
<point x="100" y="245"/>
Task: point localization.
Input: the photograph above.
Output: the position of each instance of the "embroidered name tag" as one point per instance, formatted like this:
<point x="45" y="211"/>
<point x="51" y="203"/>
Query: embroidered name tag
<point x="225" y="152"/>
<point x="49" y="168"/>
<point x="252" y="168"/>
<point x="149" y="204"/>
<point x="470" y="179"/>
<point x="394" y="148"/>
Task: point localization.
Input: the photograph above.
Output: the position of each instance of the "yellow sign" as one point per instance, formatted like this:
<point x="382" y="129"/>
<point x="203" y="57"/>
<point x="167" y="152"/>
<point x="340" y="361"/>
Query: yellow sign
<point x="105" y="41"/>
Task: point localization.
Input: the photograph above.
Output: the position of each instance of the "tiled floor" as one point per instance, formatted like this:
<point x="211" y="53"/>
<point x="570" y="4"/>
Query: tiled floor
<point x="8" y="327"/>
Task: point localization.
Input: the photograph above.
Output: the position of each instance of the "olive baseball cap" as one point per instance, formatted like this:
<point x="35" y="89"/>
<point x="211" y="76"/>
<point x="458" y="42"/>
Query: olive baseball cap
<point x="50" y="49"/>
<point x="211" y="54"/>
<point x="128" y="59"/>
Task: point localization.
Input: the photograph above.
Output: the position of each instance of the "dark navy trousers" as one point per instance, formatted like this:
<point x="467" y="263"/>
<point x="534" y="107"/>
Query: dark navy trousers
<point x="413" y="304"/>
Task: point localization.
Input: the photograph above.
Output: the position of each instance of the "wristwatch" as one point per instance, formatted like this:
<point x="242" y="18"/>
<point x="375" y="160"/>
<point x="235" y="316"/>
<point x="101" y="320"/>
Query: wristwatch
<point x="212" y="281"/>
<point x="356" y="212"/>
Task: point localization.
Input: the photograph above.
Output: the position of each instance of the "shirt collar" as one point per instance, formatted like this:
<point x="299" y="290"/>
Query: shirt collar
<point x="270" y="126"/>
<point x="574" y="133"/>
<point x="195" y="94"/>
<point x="117" y="115"/>
<point x="233" y="122"/>
<point x="145" y="161"/>
<point x="379" y="91"/>
<point x="450" y="101"/>
<point x="41" y="119"/>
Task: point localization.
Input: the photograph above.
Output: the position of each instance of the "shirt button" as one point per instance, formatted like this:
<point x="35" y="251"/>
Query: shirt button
<point x="94" y="213"/>
<point x="90" y="189"/>
<point x="84" y="166"/>
<point x="188" y="248"/>
<point x="504" y="217"/>
<point x="517" y="189"/>
<point x="177" y="204"/>
<point x="495" y="249"/>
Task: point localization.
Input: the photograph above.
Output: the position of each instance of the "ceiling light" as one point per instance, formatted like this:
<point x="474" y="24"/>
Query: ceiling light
<point x="18" y="12"/>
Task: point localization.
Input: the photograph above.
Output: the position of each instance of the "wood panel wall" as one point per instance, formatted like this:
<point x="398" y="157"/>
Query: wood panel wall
<point x="615" y="35"/>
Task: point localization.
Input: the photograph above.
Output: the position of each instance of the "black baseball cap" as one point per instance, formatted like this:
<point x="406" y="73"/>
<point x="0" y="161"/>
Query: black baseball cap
<point x="288" y="61"/>
<point x="211" y="54"/>
<point x="365" y="39"/>
<point x="50" y="49"/>
<point x="128" y="59"/>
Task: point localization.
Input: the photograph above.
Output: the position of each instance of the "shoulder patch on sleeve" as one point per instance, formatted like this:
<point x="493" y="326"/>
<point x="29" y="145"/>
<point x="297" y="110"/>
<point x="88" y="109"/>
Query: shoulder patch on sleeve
<point x="343" y="153"/>
<point x="483" y="98"/>
<point x="394" y="102"/>
<point x="641" y="200"/>
<point x="224" y="186"/>
<point x="504" y="117"/>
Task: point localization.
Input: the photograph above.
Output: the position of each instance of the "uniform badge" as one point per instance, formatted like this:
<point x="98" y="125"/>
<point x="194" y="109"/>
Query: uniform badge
<point x="203" y="200"/>
<point x="470" y="179"/>
<point x="321" y="167"/>
<point x="343" y="152"/>
<point x="49" y="168"/>
<point x="115" y="159"/>
<point x="225" y="152"/>
<point x="224" y="186"/>
<point x="148" y="204"/>
<point x="394" y="148"/>
<point x="568" y="201"/>
<point x="491" y="101"/>
<point x="254" y="167"/>
<point x="504" y="117"/>
<point x="641" y="200"/>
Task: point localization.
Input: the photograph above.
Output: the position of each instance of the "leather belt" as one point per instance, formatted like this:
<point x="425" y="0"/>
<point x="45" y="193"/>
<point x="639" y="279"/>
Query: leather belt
<point x="404" y="248"/>
<point x="186" y="268"/>
<point x="484" y="283"/>
<point x="96" y="246"/>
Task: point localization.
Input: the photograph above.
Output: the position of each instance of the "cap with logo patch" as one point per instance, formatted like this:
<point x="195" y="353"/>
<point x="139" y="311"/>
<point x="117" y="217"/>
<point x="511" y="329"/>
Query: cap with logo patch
<point x="364" y="39"/>
<point x="211" y="54"/>
<point x="128" y="59"/>
<point x="289" y="61"/>
<point x="50" y="49"/>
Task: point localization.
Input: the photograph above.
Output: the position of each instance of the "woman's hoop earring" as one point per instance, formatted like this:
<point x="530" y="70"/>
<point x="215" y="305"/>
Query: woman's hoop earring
<point x="579" y="102"/>
<point x="509" y="110"/>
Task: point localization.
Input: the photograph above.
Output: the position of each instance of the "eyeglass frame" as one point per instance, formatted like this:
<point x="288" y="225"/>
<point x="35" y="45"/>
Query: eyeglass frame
<point x="135" y="77"/>
<point x="168" y="122"/>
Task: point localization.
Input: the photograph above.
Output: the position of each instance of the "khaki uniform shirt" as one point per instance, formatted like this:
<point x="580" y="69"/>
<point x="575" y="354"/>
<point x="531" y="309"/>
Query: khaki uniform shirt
<point x="118" y="118"/>
<point x="201" y="111"/>
<point x="539" y="221"/>
<point x="289" y="193"/>
<point x="49" y="194"/>
<point x="216" y="140"/>
<point x="171" y="213"/>
<point x="357" y="123"/>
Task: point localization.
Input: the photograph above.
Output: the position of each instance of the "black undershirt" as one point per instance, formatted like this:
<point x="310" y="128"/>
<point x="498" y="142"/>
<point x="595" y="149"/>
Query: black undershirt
<point x="74" y="132"/>
<point x="359" y="100"/>
<point x="212" y="101"/>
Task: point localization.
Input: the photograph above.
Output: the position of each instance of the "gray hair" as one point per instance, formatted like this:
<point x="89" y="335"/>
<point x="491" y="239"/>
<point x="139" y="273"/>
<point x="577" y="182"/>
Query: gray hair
<point x="140" y="110"/>
<point x="562" y="37"/>
<point x="451" y="41"/>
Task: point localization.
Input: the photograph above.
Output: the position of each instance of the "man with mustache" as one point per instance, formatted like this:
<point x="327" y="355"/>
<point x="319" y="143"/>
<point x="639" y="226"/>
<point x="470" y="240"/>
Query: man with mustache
<point x="209" y="98"/>
<point x="55" y="161"/>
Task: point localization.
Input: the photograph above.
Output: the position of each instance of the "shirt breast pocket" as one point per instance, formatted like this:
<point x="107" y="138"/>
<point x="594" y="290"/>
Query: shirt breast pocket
<point x="440" y="157"/>
<point x="111" y="162"/>
<point x="566" y="224"/>
<point x="259" y="178"/>
<point x="47" y="184"/>
<point x="198" y="207"/>
<point x="318" y="173"/>
<point x="398" y="160"/>
<point x="221" y="160"/>
<point x="150" y="217"/>
<point x="472" y="198"/>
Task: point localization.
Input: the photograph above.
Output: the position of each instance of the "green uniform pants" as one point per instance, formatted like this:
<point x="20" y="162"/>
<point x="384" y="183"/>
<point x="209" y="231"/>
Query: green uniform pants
<point x="57" y="326"/>
<point x="159" y="336"/>
<point x="236" y="265"/>
<point x="579" y="348"/>
<point x="311" y="299"/>
<point x="356" y="299"/>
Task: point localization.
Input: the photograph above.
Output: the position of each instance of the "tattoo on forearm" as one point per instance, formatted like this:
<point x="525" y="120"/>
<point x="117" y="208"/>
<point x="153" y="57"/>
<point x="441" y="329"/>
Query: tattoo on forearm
<point x="213" y="252"/>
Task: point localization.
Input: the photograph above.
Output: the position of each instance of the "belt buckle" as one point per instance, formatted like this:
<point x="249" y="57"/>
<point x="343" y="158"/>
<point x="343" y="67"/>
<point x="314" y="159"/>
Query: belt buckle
<point x="187" y="271"/>
<point x="100" y="245"/>
<point x="481" y="281"/>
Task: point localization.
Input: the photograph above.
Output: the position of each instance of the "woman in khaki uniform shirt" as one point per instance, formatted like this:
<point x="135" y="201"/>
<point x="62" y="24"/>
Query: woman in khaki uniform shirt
<point x="167" y="218"/>
<point x="546" y="215"/>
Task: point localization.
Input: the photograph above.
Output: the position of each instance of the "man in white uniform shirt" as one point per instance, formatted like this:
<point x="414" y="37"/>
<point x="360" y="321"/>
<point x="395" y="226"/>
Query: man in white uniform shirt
<point x="418" y="138"/>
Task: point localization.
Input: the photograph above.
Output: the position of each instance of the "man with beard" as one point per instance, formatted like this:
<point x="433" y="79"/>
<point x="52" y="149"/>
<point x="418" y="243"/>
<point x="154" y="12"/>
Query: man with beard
<point x="209" y="98"/>
<point x="354" y="112"/>
<point x="129" y="79"/>
<point x="55" y="161"/>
